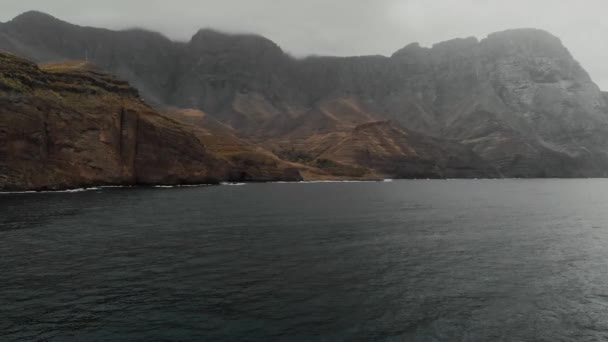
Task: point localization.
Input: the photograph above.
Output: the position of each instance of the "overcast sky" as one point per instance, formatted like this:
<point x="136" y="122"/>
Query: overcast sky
<point x="348" y="27"/>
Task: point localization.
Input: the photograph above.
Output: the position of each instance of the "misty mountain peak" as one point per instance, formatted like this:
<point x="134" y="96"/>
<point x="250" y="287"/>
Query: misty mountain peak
<point x="209" y="39"/>
<point x="31" y="17"/>
<point x="412" y="52"/>
<point x="457" y="44"/>
<point x="523" y="34"/>
<point x="529" y="41"/>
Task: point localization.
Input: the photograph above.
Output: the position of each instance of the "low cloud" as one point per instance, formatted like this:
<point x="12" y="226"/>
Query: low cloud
<point x="347" y="27"/>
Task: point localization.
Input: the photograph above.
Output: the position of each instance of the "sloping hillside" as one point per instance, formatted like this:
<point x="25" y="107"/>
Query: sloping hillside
<point x="67" y="125"/>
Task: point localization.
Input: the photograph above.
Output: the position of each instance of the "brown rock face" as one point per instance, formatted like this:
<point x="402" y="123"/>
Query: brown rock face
<point x="67" y="125"/>
<point x="393" y="151"/>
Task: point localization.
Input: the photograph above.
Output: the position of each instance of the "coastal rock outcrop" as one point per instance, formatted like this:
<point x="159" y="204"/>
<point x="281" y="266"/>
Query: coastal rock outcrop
<point x="68" y="125"/>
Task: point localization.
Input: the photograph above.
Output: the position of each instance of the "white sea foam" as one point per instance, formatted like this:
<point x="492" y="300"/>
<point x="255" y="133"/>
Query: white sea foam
<point x="181" y="186"/>
<point x="19" y="192"/>
<point x="79" y="190"/>
<point x="69" y="191"/>
<point x="338" y="181"/>
<point x="328" y="181"/>
<point x="233" y="184"/>
<point x="193" y="185"/>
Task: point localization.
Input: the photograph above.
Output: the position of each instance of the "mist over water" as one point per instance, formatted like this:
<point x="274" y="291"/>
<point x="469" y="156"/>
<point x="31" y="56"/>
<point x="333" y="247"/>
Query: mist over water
<point x="485" y="260"/>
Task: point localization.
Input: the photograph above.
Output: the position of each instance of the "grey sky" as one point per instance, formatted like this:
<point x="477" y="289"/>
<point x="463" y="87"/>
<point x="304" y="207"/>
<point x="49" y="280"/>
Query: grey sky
<point x="348" y="27"/>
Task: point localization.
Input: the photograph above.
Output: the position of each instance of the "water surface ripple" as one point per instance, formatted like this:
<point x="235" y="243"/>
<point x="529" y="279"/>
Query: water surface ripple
<point x="456" y="260"/>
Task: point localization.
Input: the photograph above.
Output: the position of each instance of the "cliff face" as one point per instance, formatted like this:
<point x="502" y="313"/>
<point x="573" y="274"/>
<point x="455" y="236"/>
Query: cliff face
<point x="516" y="100"/>
<point x="68" y="125"/>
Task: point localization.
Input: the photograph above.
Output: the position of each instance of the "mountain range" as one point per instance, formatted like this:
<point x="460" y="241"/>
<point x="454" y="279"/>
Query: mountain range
<point x="515" y="104"/>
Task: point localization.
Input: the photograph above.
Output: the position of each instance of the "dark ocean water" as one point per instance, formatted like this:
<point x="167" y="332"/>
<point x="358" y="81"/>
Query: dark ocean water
<point x="487" y="260"/>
